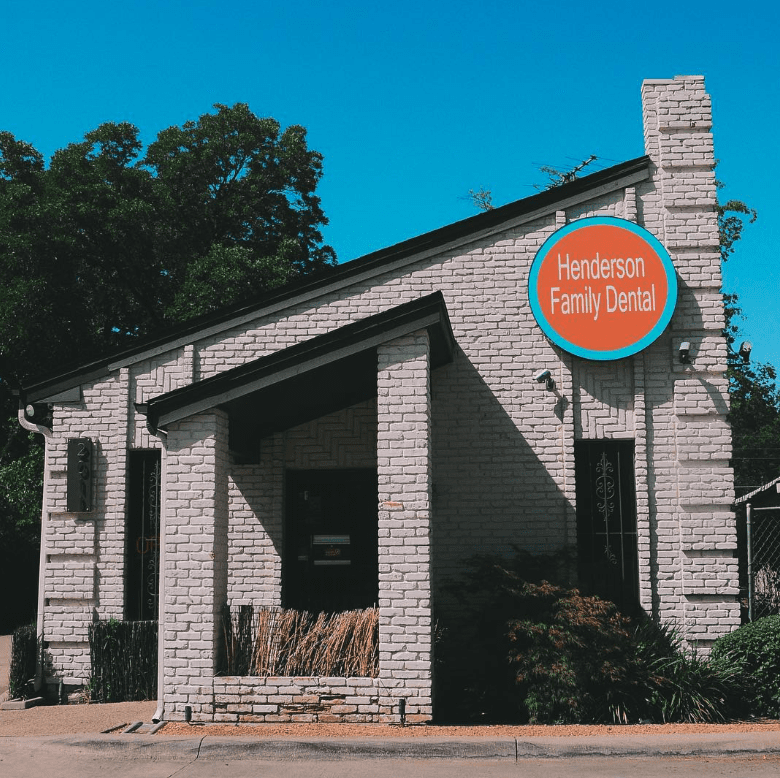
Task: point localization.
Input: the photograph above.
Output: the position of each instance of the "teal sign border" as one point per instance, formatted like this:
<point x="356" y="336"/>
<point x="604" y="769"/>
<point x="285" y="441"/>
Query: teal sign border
<point x="626" y="351"/>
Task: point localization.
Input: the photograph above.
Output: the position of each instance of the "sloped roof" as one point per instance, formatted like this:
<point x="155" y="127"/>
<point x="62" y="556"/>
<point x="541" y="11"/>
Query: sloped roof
<point x="312" y="286"/>
<point x="309" y="379"/>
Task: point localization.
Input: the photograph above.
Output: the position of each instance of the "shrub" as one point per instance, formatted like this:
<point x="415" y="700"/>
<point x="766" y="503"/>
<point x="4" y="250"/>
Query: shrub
<point x="24" y="655"/>
<point x="549" y="654"/>
<point x="753" y="651"/>
<point x="564" y="650"/>
<point x="679" y="684"/>
<point x="124" y="660"/>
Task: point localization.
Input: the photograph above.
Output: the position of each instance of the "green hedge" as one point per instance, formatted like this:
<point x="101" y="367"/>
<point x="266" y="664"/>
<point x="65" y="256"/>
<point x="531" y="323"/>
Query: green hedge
<point x="754" y="651"/>
<point x="124" y="660"/>
<point x="24" y="655"/>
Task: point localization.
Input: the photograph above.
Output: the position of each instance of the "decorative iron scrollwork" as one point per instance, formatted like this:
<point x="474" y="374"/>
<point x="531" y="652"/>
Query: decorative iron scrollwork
<point x="80" y="472"/>
<point x="605" y="494"/>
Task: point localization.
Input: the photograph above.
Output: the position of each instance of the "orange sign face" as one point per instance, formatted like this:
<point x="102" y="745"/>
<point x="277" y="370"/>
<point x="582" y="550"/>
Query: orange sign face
<point x="602" y="288"/>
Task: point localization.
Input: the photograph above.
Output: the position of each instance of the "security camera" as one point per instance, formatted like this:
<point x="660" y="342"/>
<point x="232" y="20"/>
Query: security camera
<point x="545" y="377"/>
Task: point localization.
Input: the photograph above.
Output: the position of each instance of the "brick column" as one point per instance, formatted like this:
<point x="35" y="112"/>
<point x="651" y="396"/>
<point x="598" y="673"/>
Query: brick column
<point x="697" y="571"/>
<point x="195" y="560"/>
<point x="404" y="471"/>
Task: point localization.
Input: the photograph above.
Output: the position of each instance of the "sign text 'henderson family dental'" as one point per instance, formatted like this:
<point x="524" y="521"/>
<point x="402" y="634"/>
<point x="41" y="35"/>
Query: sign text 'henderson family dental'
<point x="602" y="288"/>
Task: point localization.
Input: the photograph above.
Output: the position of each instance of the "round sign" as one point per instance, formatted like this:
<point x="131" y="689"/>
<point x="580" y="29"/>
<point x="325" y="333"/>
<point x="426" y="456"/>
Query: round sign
<point x="602" y="288"/>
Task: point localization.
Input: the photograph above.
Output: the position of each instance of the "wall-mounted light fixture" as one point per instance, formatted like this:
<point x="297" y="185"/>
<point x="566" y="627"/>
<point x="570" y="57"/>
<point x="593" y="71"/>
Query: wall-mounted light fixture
<point x="545" y="377"/>
<point x="744" y="350"/>
<point x="685" y="352"/>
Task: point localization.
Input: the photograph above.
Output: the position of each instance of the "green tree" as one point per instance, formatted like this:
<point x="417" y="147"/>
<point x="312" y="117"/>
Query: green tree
<point x="108" y="243"/>
<point x="755" y="398"/>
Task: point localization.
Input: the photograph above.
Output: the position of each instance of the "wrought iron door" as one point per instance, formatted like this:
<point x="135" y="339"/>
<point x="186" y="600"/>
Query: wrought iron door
<point x="606" y="520"/>
<point x="143" y="535"/>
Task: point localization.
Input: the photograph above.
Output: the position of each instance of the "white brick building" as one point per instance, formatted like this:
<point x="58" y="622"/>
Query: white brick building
<point x="392" y="402"/>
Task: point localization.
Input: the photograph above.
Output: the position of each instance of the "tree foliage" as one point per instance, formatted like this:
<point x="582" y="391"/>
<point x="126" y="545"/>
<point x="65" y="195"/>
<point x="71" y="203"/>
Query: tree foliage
<point x="755" y="398"/>
<point x="109" y="242"/>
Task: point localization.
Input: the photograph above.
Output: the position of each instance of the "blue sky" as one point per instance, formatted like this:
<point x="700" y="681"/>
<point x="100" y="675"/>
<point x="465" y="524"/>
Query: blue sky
<point x="414" y="103"/>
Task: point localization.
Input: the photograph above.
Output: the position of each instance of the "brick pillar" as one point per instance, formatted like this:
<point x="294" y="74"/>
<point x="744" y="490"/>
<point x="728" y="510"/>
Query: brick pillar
<point x="195" y="505"/>
<point x="697" y="571"/>
<point x="404" y="470"/>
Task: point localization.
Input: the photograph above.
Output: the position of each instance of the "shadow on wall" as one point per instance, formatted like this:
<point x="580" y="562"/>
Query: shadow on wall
<point x="492" y="492"/>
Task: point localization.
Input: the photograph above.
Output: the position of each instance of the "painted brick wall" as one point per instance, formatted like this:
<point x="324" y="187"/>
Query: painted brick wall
<point x="501" y="452"/>
<point x="344" y="439"/>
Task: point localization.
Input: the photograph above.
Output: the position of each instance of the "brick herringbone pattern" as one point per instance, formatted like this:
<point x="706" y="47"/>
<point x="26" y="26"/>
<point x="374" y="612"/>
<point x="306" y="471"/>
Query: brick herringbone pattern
<point x="604" y="403"/>
<point x="343" y="439"/>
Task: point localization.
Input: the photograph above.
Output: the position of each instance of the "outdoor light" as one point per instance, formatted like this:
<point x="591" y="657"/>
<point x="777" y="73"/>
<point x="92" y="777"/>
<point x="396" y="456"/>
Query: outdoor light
<point x="545" y="377"/>
<point x="685" y="352"/>
<point x="744" y="350"/>
<point x="40" y="413"/>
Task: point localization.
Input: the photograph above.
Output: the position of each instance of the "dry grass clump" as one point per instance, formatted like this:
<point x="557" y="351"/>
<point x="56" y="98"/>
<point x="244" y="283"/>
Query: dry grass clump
<point x="289" y="642"/>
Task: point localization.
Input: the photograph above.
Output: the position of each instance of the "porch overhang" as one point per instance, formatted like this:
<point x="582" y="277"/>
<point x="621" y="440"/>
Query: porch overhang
<point x="310" y="379"/>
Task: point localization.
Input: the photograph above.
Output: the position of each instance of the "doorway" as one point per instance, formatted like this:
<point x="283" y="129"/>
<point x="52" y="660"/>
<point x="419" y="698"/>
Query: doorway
<point x="607" y="553"/>
<point x="143" y="535"/>
<point x="330" y="561"/>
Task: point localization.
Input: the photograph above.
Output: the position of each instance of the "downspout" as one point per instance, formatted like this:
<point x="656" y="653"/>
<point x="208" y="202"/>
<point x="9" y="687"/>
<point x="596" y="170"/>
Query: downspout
<point x="162" y="435"/>
<point x="47" y="433"/>
<point x="749" y="532"/>
<point x="159" y="714"/>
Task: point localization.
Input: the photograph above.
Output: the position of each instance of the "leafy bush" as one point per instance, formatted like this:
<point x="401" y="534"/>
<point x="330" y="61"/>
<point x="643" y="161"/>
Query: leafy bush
<point x="545" y="653"/>
<point x="754" y="652"/>
<point x="564" y="650"/>
<point x="24" y="655"/>
<point x="668" y="682"/>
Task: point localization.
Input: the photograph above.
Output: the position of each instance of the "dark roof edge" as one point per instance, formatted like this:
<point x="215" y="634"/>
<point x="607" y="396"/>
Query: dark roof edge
<point x="536" y="205"/>
<point x="428" y="312"/>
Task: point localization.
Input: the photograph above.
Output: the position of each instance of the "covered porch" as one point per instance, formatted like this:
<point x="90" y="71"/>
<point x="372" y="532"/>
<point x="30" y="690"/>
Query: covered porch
<point x="213" y="458"/>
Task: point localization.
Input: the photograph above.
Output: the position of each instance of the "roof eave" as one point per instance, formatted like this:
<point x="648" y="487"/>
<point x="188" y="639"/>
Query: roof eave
<point x="466" y="230"/>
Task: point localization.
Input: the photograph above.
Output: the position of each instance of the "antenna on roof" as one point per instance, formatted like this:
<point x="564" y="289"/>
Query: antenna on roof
<point x="558" y="177"/>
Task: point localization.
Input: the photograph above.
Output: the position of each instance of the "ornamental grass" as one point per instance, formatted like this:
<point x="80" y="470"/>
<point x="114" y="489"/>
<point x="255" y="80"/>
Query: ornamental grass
<point x="288" y="642"/>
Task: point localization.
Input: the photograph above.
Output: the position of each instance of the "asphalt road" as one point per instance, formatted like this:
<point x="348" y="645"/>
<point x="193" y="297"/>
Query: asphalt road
<point x="53" y="764"/>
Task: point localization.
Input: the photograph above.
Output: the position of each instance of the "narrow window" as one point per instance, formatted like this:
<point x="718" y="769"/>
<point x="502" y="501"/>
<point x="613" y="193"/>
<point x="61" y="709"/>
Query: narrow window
<point x="143" y="535"/>
<point x="606" y="521"/>
<point x="80" y="457"/>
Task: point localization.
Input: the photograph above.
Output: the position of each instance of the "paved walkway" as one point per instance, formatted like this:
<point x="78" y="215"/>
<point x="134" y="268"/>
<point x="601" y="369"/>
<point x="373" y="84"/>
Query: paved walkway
<point x="76" y="729"/>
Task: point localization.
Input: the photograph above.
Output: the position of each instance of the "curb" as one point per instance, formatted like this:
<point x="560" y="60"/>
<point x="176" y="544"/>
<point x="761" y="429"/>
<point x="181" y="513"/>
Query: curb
<point x="207" y="748"/>
<point x="358" y="748"/>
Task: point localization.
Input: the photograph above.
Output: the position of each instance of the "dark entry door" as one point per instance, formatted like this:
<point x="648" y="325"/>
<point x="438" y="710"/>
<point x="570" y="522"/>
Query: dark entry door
<point x="143" y="535"/>
<point x="331" y="540"/>
<point x="606" y="520"/>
